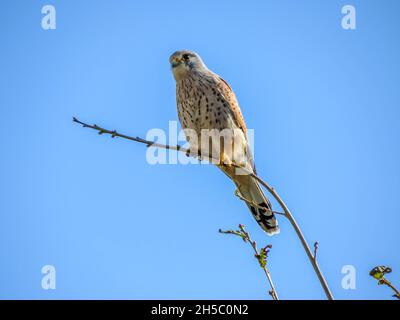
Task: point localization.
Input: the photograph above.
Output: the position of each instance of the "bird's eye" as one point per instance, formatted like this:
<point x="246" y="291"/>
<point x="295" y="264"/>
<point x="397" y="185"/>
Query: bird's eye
<point x="185" y="56"/>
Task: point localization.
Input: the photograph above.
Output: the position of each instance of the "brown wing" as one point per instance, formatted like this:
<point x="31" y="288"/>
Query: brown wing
<point x="230" y="98"/>
<point x="236" y="113"/>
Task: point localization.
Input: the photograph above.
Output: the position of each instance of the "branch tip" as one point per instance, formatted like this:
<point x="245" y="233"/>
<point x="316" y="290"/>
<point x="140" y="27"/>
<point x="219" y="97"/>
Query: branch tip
<point x="271" y="190"/>
<point x="261" y="255"/>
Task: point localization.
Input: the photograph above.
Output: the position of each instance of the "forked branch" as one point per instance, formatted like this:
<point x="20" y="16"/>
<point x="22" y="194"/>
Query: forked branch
<point x="272" y="191"/>
<point x="261" y="255"/>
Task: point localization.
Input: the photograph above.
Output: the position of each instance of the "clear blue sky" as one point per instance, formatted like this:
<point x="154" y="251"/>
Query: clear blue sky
<point x="324" y="104"/>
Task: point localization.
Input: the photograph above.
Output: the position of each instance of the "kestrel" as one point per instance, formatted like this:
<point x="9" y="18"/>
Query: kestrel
<point x="207" y="106"/>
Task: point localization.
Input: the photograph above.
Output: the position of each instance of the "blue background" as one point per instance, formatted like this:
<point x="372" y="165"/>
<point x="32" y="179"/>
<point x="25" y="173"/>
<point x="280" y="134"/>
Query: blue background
<point x="324" y="104"/>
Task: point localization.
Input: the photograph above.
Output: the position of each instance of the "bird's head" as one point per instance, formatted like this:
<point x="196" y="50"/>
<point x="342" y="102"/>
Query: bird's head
<point x="183" y="62"/>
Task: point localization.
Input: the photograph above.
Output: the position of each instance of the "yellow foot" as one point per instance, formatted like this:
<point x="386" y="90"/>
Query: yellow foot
<point x="224" y="161"/>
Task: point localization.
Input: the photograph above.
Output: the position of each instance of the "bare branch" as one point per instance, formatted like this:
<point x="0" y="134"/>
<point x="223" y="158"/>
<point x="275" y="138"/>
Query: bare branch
<point x="261" y="255"/>
<point x="390" y="285"/>
<point x="300" y="235"/>
<point x="114" y="134"/>
<point x="270" y="189"/>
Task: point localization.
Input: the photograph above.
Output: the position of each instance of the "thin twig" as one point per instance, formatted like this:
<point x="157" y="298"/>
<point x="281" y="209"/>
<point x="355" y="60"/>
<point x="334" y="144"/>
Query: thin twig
<point x="390" y="285"/>
<point x="261" y="255"/>
<point x="114" y="134"/>
<point x="271" y="190"/>
<point x="315" y="250"/>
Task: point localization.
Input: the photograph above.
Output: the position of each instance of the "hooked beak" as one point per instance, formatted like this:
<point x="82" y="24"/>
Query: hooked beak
<point x="175" y="61"/>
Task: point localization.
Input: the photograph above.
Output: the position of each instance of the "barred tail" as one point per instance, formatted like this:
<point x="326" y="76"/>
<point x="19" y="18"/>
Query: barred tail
<point x="251" y="191"/>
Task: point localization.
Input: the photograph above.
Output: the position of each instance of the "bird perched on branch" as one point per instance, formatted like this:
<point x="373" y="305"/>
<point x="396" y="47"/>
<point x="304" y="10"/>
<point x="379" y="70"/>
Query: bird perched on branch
<point x="214" y="127"/>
